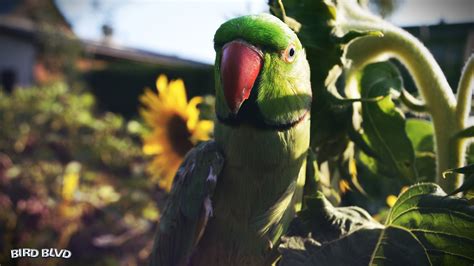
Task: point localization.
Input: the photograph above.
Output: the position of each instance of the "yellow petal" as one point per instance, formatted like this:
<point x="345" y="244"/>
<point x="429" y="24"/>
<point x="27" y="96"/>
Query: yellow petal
<point x="178" y="94"/>
<point x="391" y="199"/>
<point x="193" y="103"/>
<point x="192" y="112"/>
<point x="203" y="131"/>
<point x="192" y="120"/>
<point x="150" y="149"/>
<point x="344" y="186"/>
<point x="70" y="181"/>
<point x="147" y="97"/>
<point x="161" y="83"/>
<point x="153" y="143"/>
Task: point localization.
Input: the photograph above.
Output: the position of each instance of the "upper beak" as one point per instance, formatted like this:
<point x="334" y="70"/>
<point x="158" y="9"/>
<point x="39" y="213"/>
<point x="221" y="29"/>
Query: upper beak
<point x="240" y="66"/>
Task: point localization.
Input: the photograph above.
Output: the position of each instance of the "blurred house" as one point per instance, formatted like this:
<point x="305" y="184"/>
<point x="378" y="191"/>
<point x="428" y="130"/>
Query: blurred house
<point x="27" y="28"/>
<point x="17" y="54"/>
<point x="38" y="46"/>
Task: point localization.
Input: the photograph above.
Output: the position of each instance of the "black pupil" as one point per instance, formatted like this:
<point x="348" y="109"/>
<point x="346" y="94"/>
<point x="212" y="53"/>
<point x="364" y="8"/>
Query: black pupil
<point x="292" y="52"/>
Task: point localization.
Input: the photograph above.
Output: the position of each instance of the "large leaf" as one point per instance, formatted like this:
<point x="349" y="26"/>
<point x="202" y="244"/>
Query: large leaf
<point x="389" y="246"/>
<point x="420" y="132"/>
<point x="383" y="123"/>
<point x="326" y="222"/>
<point x="443" y="225"/>
<point x="424" y="227"/>
<point x="354" y="249"/>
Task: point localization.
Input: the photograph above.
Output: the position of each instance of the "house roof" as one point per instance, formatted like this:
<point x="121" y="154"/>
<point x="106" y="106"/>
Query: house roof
<point x="17" y="27"/>
<point x="26" y="29"/>
<point x="115" y="52"/>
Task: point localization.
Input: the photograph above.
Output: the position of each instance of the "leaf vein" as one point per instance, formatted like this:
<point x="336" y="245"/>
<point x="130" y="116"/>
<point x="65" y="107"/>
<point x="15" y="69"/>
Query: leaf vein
<point x="441" y="233"/>
<point x="446" y="210"/>
<point x="450" y="253"/>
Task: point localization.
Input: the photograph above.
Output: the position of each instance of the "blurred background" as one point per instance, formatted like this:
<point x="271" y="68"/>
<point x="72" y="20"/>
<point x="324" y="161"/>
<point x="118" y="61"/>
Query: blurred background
<point x="88" y="147"/>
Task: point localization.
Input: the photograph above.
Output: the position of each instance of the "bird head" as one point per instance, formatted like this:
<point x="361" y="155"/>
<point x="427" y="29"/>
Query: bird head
<point x="261" y="73"/>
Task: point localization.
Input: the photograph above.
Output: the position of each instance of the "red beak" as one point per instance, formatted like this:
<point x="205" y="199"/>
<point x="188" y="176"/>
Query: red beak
<point x="240" y="66"/>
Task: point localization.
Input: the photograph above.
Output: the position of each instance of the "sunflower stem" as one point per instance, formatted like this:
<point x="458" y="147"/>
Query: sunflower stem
<point x="430" y="81"/>
<point x="412" y="103"/>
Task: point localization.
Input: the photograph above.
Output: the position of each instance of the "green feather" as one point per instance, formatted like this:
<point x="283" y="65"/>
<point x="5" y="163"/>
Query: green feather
<point x="284" y="89"/>
<point x="262" y="30"/>
<point x="184" y="216"/>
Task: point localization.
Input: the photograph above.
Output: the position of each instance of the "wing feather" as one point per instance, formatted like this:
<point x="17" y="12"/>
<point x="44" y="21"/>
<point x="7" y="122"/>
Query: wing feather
<point x="188" y="208"/>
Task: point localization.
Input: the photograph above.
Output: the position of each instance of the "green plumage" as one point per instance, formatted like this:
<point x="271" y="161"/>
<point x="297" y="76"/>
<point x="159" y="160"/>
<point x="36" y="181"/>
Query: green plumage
<point x="265" y="148"/>
<point x="263" y="30"/>
<point x="182" y="218"/>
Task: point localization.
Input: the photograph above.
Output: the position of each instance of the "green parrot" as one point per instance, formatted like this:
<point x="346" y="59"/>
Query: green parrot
<point x="232" y="198"/>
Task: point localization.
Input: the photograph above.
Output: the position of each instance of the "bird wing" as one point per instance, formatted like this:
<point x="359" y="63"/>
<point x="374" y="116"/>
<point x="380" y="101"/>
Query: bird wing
<point x="188" y="208"/>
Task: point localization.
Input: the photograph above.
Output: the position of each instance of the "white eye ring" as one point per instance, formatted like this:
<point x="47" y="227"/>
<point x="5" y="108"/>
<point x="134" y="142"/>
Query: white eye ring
<point x="289" y="54"/>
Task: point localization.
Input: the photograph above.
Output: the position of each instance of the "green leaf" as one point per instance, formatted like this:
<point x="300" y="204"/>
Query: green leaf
<point x="327" y="222"/>
<point x="420" y="133"/>
<point x="468" y="182"/>
<point x="426" y="166"/>
<point x="398" y="246"/>
<point x="443" y="225"/>
<point x="345" y="251"/>
<point x="359" y="140"/>
<point x="466" y="133"/>
<point x="389" y="246"/>
<point x="424" y="227"/>
<point x="378" y="79"/>
<point x="466" y="170"/>
<point x="467" y="186"/>
<point x="383" y="123"/>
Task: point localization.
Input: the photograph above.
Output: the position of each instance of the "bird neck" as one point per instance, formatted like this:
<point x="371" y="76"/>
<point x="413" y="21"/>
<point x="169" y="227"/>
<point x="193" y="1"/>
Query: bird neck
<point x="261" y="172"/>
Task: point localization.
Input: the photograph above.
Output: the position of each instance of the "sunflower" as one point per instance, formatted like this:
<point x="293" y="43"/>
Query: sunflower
<point x="175" y="125"/>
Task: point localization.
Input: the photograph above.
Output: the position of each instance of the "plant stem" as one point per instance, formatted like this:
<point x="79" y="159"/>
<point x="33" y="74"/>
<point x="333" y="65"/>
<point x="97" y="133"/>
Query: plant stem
<point x="465" y="87"/>
<point x="429" y="79"/>
<point x="411" y="102"/>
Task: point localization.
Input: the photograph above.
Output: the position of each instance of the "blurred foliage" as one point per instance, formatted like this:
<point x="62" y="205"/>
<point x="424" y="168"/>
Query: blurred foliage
<point x="58" y="52"/>
<point x="72" y="178"/>
<point x="58" y="48"/>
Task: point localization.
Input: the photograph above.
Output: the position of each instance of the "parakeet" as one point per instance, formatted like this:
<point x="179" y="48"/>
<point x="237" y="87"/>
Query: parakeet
<point x="233" y="197"/>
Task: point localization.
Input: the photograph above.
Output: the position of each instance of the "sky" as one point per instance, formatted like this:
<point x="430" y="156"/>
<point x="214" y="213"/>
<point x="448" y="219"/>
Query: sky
<point x="185" y="28"/>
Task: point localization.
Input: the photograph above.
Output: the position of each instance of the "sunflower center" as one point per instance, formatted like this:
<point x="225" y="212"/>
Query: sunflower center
<point x="178" y="135"/>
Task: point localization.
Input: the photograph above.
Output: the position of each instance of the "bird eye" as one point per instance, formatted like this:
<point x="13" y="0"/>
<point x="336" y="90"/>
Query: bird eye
<point x="289" y="54"/>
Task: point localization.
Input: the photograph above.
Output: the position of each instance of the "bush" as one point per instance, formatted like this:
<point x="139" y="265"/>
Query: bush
<point x="72" y="178"/>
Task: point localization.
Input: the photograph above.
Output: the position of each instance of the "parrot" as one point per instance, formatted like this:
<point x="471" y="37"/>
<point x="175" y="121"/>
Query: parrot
<point x="234" y="196"/>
